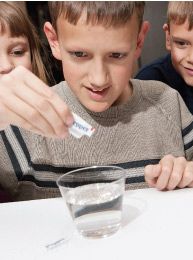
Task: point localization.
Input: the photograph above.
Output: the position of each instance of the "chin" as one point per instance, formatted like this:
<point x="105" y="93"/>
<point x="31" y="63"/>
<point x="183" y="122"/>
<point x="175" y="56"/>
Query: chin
<point x="97" y="108"/>
<point x="189" y="82"/>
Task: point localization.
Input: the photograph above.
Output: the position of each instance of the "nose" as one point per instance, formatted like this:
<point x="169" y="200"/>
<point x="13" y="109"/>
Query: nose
<point x="5" y="64"/>
<point x="98" y="74"/>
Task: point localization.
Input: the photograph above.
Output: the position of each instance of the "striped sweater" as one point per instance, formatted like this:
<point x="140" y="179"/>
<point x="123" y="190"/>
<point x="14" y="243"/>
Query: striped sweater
<point x="154" y="122"/>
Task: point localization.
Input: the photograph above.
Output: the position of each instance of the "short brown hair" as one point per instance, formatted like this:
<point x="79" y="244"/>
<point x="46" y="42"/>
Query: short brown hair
<point x="13" y="19"/>
<point x="178" y="12"/>
<point x="107" y="13"/>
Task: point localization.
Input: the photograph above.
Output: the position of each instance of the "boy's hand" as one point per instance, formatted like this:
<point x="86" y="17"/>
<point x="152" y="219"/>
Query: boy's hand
<point x="171" y="172"/>
<point x="27" y="102"/>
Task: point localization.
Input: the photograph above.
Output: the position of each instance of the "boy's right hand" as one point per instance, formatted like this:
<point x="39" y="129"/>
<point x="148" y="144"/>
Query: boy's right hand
<point x="27" y="102"/>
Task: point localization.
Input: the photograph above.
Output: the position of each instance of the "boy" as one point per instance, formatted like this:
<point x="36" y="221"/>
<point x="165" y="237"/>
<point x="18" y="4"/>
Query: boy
<point x="137" y="123"/>
<point x="176" y="69"/>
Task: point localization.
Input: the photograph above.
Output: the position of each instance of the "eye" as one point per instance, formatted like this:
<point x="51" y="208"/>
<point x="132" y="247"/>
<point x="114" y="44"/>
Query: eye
<point x="79" y="54"/>
<point x="117" y="55"/>
<point x="181" y="44"/>
<point x="17" y="52"/>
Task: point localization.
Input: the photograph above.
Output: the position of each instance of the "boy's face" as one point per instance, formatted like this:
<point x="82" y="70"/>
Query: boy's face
<point x="179" y="40"/>
<point x="97" y="61"/>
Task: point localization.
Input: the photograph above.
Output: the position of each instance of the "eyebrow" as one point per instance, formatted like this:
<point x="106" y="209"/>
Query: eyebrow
<point x="18" y="42"/>
<point x="179" y="39"/>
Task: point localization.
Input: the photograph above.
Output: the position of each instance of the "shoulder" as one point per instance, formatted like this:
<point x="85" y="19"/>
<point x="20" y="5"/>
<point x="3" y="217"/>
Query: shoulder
<point x="60" y="86"/>
<point x="155" y="69"/>
<point x="61" y="89"/>
<point x="158" y="94"/>
<point x="165" y="100"/>
<point x="154" y="89"/>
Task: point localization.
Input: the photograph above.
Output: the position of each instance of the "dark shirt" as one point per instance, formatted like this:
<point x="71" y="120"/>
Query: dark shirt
<point x="163" y="70"/>
<point x="4" y="196"/>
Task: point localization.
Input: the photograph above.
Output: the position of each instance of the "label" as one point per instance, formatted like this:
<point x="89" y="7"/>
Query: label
<point x="80" y="127"/>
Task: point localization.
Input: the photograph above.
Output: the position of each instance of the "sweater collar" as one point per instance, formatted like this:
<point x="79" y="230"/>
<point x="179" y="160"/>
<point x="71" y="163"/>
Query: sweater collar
<point x="113" y="111"/>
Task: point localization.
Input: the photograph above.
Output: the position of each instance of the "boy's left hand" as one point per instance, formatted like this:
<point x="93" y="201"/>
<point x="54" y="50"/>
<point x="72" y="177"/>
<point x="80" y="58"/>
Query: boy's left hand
<point x="171" y="172"/>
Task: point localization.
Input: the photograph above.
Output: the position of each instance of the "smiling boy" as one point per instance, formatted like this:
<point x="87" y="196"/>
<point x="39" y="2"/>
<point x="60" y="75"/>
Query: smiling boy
<point x="176" y="69"/>
<point x="138" y="124"/>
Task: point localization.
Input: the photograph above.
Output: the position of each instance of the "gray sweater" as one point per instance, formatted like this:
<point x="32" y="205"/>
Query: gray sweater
<point x="154" y="122"/>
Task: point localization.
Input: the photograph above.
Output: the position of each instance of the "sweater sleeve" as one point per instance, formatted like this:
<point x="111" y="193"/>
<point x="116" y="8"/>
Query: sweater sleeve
<point x="187" y="128"/>
<point x="8" y="181"/>
<point x="171" y="105"/>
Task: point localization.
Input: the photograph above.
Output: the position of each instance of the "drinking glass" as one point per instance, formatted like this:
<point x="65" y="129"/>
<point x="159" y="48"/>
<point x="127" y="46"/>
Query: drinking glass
<point x="94" y="198"/>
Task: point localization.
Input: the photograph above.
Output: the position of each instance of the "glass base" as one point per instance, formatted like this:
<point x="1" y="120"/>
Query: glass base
<point x="100" y="233"/>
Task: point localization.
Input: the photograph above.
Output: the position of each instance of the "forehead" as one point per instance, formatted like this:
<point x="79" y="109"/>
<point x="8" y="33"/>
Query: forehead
<point x="175" y="27"/>
<point x="12" y="32"/>
<point x="82" y="28"/>
<point x="7" y="38"/>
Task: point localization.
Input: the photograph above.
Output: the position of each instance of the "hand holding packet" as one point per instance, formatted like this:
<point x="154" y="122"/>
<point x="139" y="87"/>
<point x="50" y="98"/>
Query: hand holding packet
<point x="80" y="127"/>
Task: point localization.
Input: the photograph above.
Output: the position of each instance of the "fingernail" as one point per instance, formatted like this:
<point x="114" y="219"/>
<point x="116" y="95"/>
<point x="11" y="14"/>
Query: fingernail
<point x="69" y="121"/>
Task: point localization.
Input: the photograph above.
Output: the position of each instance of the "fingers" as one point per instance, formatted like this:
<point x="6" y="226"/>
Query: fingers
<point x="179" y="164"/>
<point x="170" y="173"/>
<point x="14" y="118"/>
<point x="181" y="175"/>
<point x="187" y="179"/>
<point x="166" y="163"/>
<point x="27" y="114"/>
<point x="152" y="173"/>
<point x="158" y="175"/>
<point x="31" y="80"/>
<point x="58" y="105"/>
<point x="33" y="105"/>
<point x="41" y="112"/>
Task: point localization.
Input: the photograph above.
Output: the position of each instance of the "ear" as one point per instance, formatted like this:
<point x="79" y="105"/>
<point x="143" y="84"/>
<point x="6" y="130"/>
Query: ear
<point x="141" y="37"/>
<point x="167" y="33"/>
<point x="53" y="40"/>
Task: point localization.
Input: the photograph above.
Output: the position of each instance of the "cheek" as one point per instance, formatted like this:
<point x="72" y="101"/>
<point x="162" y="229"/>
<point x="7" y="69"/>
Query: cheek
<point x="177" y="55"/>
<point x="72" y="74"/>
<point x="122" y="74"/>
<point x="29" y="65"/>
<point x="25" y="62"/>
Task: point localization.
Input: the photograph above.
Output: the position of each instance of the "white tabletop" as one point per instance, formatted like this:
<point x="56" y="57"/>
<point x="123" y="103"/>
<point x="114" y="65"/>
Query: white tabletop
<point x="156" y="225"/>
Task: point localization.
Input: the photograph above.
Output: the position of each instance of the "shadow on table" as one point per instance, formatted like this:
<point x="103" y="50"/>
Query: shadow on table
<point x="132" y="209"/>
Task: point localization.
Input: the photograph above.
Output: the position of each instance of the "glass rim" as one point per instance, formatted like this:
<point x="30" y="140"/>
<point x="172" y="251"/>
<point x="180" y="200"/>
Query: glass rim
<point x="90" y="167"/>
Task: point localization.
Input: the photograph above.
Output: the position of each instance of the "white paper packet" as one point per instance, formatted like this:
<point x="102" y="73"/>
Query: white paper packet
<point x="80" y="127"/>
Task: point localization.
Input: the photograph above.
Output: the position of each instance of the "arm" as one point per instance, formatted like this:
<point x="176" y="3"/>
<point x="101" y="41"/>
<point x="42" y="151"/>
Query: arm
<point x="27" y="102"/>
<point x="175" y="172"/>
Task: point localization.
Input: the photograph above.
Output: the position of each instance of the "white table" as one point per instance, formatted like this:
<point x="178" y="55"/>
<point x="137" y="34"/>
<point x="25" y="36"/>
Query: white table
<point x="156" y="225"/>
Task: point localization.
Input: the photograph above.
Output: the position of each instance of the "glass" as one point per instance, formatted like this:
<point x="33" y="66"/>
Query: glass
<point x="94" y="198"/>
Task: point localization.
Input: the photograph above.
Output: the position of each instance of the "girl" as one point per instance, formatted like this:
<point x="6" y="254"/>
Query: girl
<point x="19" y="42"/>
<point x="19" y="45"/>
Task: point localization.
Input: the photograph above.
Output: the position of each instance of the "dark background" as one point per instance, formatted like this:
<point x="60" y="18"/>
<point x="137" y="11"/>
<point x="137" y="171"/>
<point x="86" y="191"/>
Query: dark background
<point x="39" y="14"/>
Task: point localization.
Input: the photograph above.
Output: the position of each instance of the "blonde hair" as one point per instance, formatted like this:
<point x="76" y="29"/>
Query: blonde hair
<point x="107" y="13"/>
<point x="13" y="18"/>
<point x="178" y="12"/>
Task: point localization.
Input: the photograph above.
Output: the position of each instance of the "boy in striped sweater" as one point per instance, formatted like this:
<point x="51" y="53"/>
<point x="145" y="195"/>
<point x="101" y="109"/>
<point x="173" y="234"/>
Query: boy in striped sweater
<point x="142" y="126"/>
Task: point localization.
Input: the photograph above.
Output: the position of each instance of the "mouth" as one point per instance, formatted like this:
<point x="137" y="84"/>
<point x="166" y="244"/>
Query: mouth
<point x="189" y="70"/>
<point x="97" y="94"/>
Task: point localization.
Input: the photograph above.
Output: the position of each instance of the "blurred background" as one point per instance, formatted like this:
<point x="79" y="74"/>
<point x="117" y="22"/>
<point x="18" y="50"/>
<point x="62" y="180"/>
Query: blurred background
<point x="154" y="47"/>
